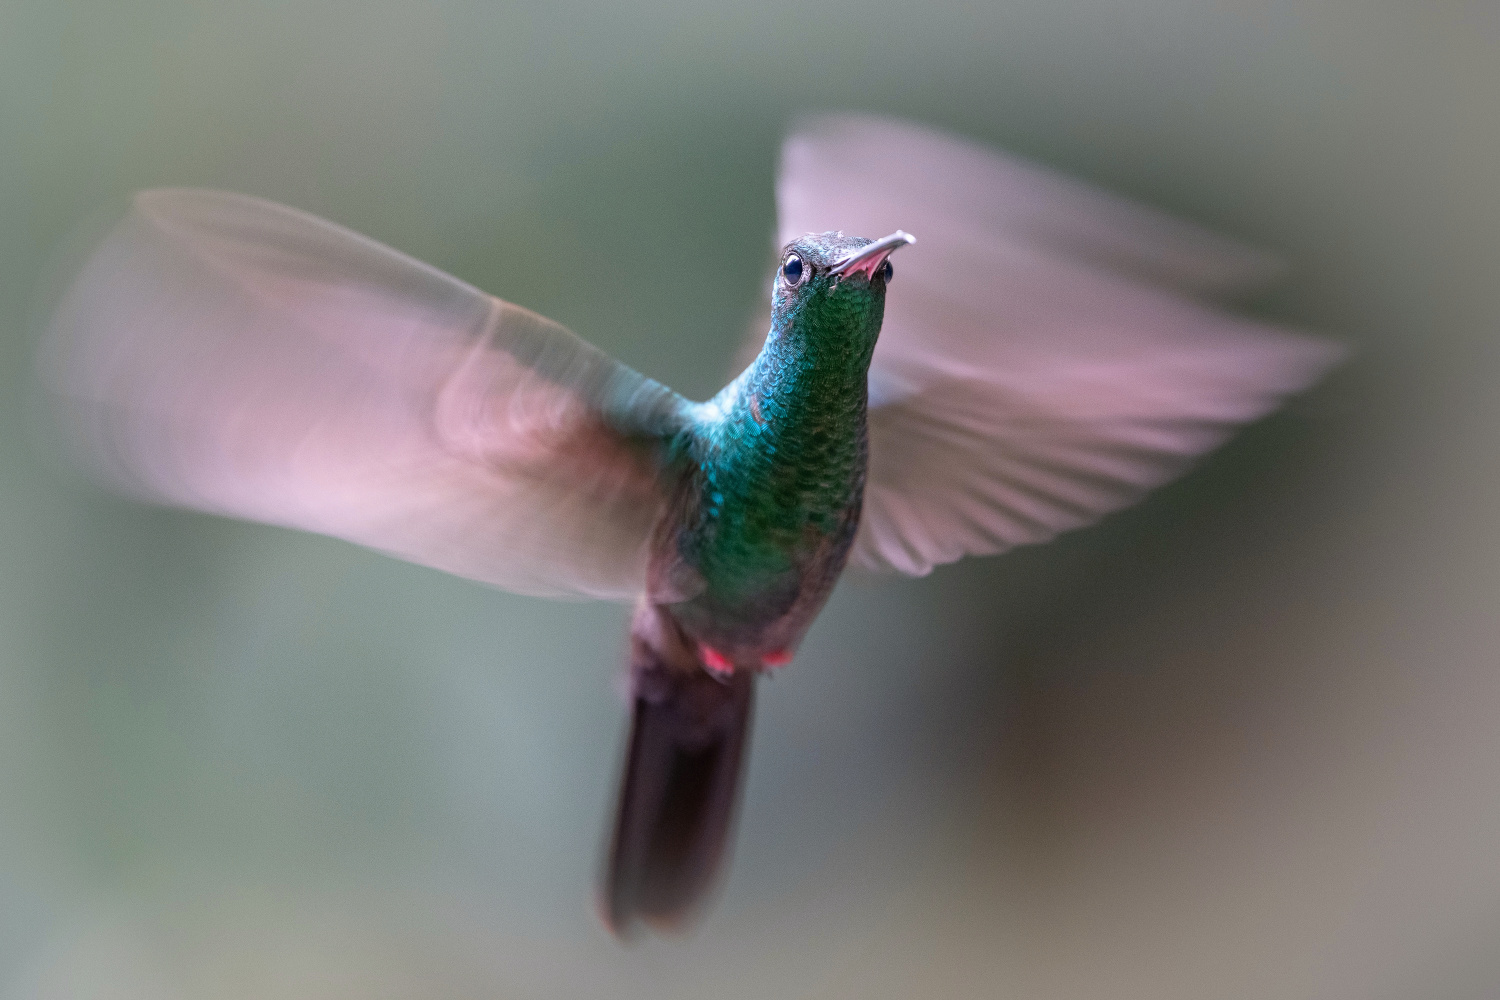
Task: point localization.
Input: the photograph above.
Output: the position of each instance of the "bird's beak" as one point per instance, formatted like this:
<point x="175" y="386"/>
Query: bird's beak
<point x="869" y="257"/>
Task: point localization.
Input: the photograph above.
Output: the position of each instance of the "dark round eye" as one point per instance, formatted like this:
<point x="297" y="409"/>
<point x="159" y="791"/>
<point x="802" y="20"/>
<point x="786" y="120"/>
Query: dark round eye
<point x="791" y="270"/>
<point x="887" y="272"/>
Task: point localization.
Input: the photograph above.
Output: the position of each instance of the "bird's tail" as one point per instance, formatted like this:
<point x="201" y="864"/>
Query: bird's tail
<point x="675" y="816"/>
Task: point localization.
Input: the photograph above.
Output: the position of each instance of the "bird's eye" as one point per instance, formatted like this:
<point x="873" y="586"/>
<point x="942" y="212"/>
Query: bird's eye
<point x="887" y="272"/>
<point x="791" y="270"/>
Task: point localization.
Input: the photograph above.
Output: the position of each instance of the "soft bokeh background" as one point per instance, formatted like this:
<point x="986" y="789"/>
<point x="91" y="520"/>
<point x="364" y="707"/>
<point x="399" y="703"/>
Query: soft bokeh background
<point x="1243" y="741"/>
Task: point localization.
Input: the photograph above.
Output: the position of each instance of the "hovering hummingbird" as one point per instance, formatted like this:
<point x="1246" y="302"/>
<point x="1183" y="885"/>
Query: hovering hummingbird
<point x="1048" y="356"/>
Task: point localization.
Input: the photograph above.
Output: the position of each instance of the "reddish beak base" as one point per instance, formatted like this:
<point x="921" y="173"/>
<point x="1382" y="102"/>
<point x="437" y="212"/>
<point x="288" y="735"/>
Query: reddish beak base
<point x="867" y="259"/>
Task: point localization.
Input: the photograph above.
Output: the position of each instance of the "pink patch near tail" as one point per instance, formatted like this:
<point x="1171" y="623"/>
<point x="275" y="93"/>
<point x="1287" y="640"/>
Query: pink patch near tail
<point x="780" y="658"/>
<point x="714" y="661"/>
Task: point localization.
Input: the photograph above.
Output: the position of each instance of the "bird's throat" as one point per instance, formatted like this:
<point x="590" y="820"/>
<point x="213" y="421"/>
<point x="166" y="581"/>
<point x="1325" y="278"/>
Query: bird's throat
<point x="781" y="470"/>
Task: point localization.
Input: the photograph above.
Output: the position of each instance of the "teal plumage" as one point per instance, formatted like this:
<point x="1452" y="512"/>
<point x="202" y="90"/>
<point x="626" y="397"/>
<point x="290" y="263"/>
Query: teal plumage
<point x="771" y="505"/>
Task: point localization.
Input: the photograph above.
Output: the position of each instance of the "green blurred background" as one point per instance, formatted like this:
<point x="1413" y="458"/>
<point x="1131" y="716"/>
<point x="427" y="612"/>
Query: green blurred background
<point x="1238" y="742"/>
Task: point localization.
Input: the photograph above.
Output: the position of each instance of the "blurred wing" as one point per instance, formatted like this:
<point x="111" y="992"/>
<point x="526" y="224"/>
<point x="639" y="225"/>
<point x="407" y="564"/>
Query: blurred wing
<point x="1045" y="358"/>
<point x="239" y="357"/>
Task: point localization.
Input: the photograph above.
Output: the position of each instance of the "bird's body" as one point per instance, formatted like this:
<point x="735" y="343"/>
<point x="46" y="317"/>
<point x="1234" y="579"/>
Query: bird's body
<point x="746" y="553"/>
<point x="1049" y="356"/>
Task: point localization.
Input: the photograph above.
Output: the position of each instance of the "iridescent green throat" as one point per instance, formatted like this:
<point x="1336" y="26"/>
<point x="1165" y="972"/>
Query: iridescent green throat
<point x="781" y="451"/>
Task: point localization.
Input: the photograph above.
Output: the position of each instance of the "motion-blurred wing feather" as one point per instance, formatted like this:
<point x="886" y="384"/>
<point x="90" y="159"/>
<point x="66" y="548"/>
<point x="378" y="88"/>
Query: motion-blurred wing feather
<point x="1045" y="357"/>
<point x="235" y="356"/>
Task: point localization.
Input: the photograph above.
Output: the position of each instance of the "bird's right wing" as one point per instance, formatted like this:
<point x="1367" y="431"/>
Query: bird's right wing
<point x="228" y="354"/>
<point x="1048" y="352"/>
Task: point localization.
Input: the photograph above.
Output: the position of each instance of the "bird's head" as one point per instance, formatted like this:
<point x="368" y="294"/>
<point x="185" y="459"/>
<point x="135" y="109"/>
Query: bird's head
<point x="829" y="291"/>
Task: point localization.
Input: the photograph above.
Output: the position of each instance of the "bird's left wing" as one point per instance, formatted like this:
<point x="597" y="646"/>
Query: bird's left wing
<point x="1049" y="352"/>
<point x="231" y="355"/>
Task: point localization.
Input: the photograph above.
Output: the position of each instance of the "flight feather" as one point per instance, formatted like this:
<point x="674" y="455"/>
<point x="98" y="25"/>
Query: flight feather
<point x="1049" y="353"/>
<point x="228" y="354"/>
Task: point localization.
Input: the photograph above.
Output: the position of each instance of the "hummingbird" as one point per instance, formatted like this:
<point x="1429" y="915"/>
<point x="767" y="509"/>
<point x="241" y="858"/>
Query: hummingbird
<point x="1050" y="354"/>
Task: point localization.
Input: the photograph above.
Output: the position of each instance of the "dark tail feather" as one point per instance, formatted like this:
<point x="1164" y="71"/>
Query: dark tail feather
<point x="675" y="817"/>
